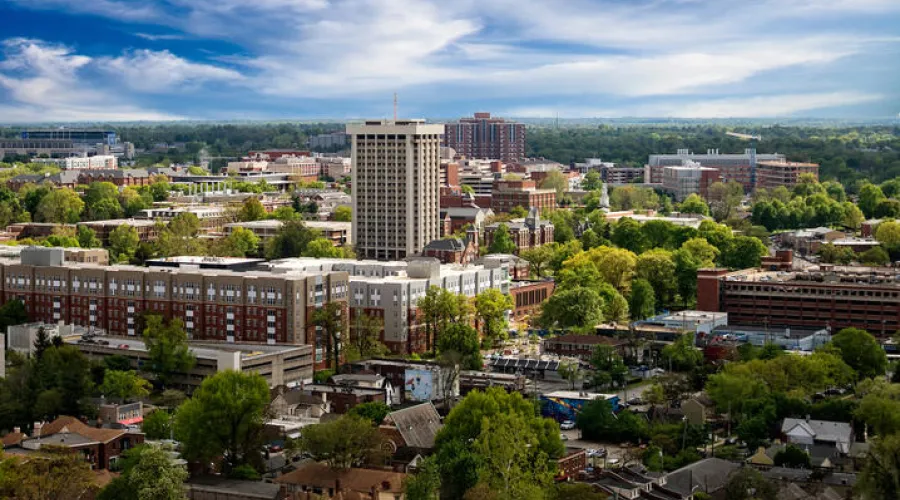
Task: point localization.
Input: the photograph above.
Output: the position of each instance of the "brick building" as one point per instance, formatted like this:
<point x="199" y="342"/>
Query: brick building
<point x="215" y="304"/>
<point x="837" y="297"/>
<point x="771" y="174"/>
<point x="74" y="178"/>
<point x="529" y="232"/>
<point x="454" y="250"/>
<point x="509" y="194"/>
<point x="528" y="296"/>
<point x="738" y="167"/>
<point x="582" y="346"/>
<point x="487" y="138"/>
<point x="146" y="228"/>
<point x="100" y="447"/>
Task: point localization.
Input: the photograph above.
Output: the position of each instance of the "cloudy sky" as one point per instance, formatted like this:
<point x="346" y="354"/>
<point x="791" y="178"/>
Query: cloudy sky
<point x="122" y="60"/>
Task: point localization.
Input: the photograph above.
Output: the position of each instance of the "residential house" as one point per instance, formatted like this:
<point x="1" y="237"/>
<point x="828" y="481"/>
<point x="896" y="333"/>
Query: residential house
<point x="811" y="432"/>
<point x="101" y="447"/>
<point x="708" y="476"/>
<point x="415" y="427"/>
<point x="329" y="483"/>
<point x="345" y="397"/>
<point x="221" y="488"/>
<point x="370" y="381"/>
<point x="698" y="409"/>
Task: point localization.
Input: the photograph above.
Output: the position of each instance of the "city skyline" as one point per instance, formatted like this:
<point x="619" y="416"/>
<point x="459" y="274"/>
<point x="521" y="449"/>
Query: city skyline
<point x="123" y="60"/>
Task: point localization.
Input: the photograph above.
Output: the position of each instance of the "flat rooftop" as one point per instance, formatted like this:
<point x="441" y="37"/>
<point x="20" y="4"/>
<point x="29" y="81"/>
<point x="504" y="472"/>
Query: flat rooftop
<point x="829" y="275"/>
<point x="693" y="316"/>
<point x="200" y="350"/>
<point x="588" y="396"/>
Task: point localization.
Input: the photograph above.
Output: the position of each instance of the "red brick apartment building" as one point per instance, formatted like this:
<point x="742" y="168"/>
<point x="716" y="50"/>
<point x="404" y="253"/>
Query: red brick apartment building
<point x="771" y="174"/>
<point x="528" y="296"/>
<point x="485" y="137"/>
<point x="215" y="303"/>
<point x="838" y="297"/>
<point x="507" y="195"/>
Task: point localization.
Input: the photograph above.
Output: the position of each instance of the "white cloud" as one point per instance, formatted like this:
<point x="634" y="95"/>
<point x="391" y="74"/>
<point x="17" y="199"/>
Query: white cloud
<point x="155" y="38"/>
<point x="150" y="71"/>
<point x="41" y="82"/>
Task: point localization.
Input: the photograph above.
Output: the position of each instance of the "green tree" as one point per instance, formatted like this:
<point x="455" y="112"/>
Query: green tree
<point x="502" y="242"/>
<point x="62" y="206"/>
<point x="167" y="348"/>
<point x="627" y="234"/>
<point x="252" y="210"/>
<point x="225" y="417"/>
<point x="861" y="351"/>
<point x="570" y="372"/>
<point x="870" y="196"/>
<point x="124" y="385"/>
<point x="374" y="411"/>
<point x="853" y="216"/>
<point x="491" y="307"/>
<point x="538" y="259"/>
<point x="179" y="237"/>
<point x="330" y="318"/>
<point x="290" y="241"/>
<point x="159" y="190"/>
<point x="323" y="248"/>
<point x="880" y="477"/>
<point x="60" y="473"/>
<point x="157" y="425"/>
<point x="518" y="212"/>
<point x="350" y="441"/>
<point x="657" y="267"/>
<point x="101" y="201"/>
<point x="643" y="299"/>
<point x="743" y="252"/>
<point x="578" y="308"/>
<point x="365" y="336"/>
<point x="343" y="214"/>
<point x="425" y="484"/>
<point x="462" y="339"/>
<point x="155" y="477"/>
<point x="681" y="354"/>
<point x="240" y="242"/>
<point x="512" y="462"/>
<point x="609" y="368"/>
<point x="87" y="238"/>
<point x="875" y="257"/>
<point x="465" y="454"/>
<point x="12" y="313"/>
<point x="792" y="456"/>
<point x="888" y="234"/>
<point x="724" y="199"/>
<point x="694" y="204"/>
<point x="557" y="181"/>
<point x="598" y="422"/>
<point x="133" y="201"/>
<point x="123" y="243"/>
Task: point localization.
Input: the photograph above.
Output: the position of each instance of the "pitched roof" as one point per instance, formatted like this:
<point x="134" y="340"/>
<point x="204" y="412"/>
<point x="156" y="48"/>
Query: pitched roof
<point x="708" y="475"/>
<point x="417" y="424"/>
<point x="448" y="244"/>
<point x="72" y="425"/>
<point x="12" y="439"/>
<point x="821" y="430"/>
<point x="793" y="492"/>
<point x="359" y="480"/>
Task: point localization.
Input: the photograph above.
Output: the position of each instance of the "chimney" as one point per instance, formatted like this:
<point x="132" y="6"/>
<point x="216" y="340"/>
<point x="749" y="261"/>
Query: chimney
<point x="17" y="430"/>
<point x="807" y="417"/>
<point x="37" y="428"/>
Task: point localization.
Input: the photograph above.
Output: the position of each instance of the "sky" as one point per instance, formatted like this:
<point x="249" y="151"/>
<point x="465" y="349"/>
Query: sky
<point x="134" y="60"/>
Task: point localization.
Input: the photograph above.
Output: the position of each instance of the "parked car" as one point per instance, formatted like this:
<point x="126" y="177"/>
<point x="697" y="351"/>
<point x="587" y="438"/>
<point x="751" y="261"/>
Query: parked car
<point x="636" y="401"/>
<point x="567" y="425"/>
<point x="275" y="448"/>
<point x="563" y="437"/>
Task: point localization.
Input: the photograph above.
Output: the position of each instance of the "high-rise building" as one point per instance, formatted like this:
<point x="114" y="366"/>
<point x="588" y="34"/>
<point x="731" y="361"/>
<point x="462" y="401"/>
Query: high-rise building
<point x="396" y="187"/>
<point x="486" y="137"/>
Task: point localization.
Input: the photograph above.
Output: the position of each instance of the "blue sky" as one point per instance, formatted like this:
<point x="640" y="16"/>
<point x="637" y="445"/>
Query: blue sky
<point x="125" y="60"/>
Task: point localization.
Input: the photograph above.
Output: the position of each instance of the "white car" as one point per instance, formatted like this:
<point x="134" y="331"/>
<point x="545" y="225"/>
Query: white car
<point x="567" y="425"/>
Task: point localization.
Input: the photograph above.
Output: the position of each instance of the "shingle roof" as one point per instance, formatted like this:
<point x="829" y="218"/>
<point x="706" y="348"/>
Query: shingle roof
<point x="822" y="430"/>
<point x="359" y="480"/>
<point x="449" y="244"/>
<point x="417" y="424"/>
<point x="12" y="439"/>
<point x="708" y="475"/>
<point x="74" y="426"/>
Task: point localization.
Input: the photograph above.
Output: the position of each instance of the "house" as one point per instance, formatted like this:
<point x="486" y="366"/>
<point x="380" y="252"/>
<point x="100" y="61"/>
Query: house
<point x="820" y="456"/>
<point x="101" y="447"/>
<point x="345" y="397"/>
<point x="370" y="381"/>
<point x="319" y="479"/>
<point x="708" y="475"/>
<point x="414" y="427"/>
<point x="698" y="409"/>
<point x="298" y="403"/>
<point x="572" y="462"/>
<point x="221" y="488"/>
<point x="793" y="491"/>
<point x="454" y="250"/>
<point x="810" y="432"/>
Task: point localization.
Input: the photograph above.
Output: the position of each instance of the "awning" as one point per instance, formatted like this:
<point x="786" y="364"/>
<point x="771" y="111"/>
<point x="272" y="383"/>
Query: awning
<point x="131" y="421"/>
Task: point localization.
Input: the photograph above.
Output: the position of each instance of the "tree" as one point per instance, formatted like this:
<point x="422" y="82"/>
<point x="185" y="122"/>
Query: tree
<point x="870" y="196"/>
<point x="462" y="339"/>
<point x="888" y="234"/>
<point x="627" y="234"/>
<point x="425" y="484"/>
<point x="724" y="198"/>
<point x="578" y="308"/>
<point x="465" y="454"/>
<point x="157" y="425"/>
<point x="155" y="477"/>
<point x="364" y="337"/>
<point x="324" y="248"/>
<point x="538" y="259"/>
<point x="887" y="209"/>
<point x="609" y="368"/>
<point x="133" y="201"/>
<point x="87" y="238"/>
<point x="240" y="242"/>
<point x="598" y="422"/>
<point x="746" y="483"/>
<point x="124" y="385"/>
<point x="290" y="241"/>
<point x="875" y="257"/>
<point x="853" y="216"/>
<point x="41" y="343"/>
<point x="694" y="204"/>
<point x="491" y="307"/>
<point x="861" y="351"/>
<point x="569" y="371"/>
<point x="557" y="181"/>
<point x="880" y="477"/>
<point x="643" y="300"/>
<point x="224" y="418"/>
<point x="343" y="214"/>
<point x="743" y="252"/>
<point x="101" y="201"/>
<point x="330" y="318"/>
<point x="657" y="267"/>
<point x="792" y="456"/>
<point x="167" y="348"/>
<point x="501" y="241"/>
<point x="518" y="212"/>
<point x="59" y="473"/>
<point x="12" y="313"/>
<point x="591" y="181"/>
<point x="575" y="491"/>
<point x="252" y="210"/>
<point x="62" y="206"/>
<point x="375" y="411"/>
<point x="681" y="354"/>
<point x="159" y="190"/>
<point x="179" y="237"/>
<point x="123" y="243"/>
<point x="350" y="441"/>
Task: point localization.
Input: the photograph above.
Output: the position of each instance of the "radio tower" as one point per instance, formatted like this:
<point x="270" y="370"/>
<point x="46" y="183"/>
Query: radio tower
<point x="395" y="106"/>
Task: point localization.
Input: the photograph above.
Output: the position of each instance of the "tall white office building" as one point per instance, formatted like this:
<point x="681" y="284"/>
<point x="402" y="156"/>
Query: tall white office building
<point x="396" y="187"/>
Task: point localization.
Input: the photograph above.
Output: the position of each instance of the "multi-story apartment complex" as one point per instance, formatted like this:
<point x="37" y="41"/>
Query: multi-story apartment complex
<point x="771" y="174"/>
<point x="390" y="290"/>
<point x="507" y="195"/>
<point x="334" y="140"/>
<point x="485" y="137"/>
<point x="836" y="297"/>
<point x="215" y="303"/>
<point x="732" y="167"/>
<point x="617" y="174"/>
<point x="396" y="187"/>
<point x="685" y="180"/>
